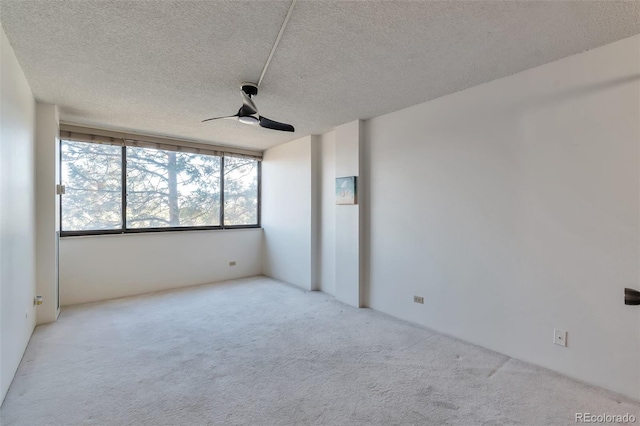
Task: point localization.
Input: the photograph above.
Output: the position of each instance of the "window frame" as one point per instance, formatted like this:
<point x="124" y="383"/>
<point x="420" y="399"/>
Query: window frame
<point x="123" y="196"/>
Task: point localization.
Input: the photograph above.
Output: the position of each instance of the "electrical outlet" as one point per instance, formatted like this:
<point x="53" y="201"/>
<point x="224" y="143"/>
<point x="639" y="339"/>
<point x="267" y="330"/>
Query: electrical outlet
<point x="418" y="299"/>
<point x="232" y="263"/>
<point x="559" y="337"/>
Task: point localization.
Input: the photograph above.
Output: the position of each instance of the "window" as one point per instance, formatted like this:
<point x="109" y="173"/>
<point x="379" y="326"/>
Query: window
<point x="93" y="177"/>
<point x="168" y="188"/>
<point x="240" y="191"/>
<point x="159" y="189"/>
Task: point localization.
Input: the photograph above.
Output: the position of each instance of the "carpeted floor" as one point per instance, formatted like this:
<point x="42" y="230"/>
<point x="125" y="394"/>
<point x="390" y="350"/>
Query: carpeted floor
<point x="257" y="352"/>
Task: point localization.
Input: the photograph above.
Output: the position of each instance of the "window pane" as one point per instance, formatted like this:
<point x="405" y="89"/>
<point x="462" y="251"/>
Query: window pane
<point x="92" y="175"/>
<point x="240" y="191"/>
<point x="171" y="189"/>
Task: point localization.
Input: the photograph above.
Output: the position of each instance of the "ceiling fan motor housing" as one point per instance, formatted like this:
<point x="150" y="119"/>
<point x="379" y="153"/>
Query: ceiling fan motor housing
<point x="250" y="89"/>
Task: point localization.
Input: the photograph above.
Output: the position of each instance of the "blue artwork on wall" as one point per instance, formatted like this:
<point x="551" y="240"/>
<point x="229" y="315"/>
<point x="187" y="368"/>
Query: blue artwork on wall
<point x="346" y="190"/>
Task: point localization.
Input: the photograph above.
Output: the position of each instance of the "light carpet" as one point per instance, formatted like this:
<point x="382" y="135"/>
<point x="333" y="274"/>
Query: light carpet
<point x="258" y="352"/>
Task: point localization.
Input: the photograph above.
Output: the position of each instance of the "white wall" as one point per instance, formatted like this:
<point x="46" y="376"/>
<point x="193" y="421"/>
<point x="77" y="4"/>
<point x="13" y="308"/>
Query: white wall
<point x="288" y="200"/>
<point x="327" y="219"/>
<point x="513" y="209"/>
<point x="348" y="223"/>
<point x="17" y="214"/>
<point x="47" y="210"/>
<point x="109" y="266"/>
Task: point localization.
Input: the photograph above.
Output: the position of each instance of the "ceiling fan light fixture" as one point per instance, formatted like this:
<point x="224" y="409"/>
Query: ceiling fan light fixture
<point x="248" y="119"/>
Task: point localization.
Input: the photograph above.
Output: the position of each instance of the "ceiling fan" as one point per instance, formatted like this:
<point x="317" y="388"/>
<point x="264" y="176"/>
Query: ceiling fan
<point x="248" y="112"/>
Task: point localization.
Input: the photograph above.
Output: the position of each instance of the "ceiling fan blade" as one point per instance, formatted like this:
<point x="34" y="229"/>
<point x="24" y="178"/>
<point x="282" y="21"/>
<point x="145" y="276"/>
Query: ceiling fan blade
<point x="270" y="124"/>
<point x="235" y="117"/>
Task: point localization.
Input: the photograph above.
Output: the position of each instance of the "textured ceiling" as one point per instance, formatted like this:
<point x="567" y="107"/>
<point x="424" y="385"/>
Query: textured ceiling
<point x="162" y="66"/>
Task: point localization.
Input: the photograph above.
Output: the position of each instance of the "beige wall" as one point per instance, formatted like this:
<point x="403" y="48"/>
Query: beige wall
<point x="17" y="214"/>
<point x="513" y="209"/>
<point x="47" y="210"/>
<point x="327" y="217"/>
<point x="109" y="266"/>
<point x="289" y="193"/>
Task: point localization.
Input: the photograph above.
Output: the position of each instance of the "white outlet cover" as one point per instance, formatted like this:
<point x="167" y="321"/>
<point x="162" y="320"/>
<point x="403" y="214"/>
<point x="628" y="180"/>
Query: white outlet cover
<point x="559" y="337"/>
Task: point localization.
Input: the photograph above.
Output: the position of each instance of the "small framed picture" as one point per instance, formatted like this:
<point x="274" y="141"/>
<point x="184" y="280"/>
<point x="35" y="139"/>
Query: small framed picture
<point x="347" y="190"/>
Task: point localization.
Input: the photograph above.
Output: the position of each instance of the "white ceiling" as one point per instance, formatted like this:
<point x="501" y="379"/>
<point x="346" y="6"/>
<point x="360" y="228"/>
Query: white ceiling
<point x="162" y="66"/>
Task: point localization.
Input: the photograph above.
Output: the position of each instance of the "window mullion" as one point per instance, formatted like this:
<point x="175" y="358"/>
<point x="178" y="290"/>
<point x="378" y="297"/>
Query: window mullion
<point x="259" y="201"/>
<point x="124" y="188"/>
<point x="222" y="191"/>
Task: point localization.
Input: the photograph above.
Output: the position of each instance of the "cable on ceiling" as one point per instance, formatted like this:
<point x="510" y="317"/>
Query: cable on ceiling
<point x="275" y="45"/>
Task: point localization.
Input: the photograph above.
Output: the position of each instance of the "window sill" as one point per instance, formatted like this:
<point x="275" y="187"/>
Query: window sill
<point x="68" y="234"/>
